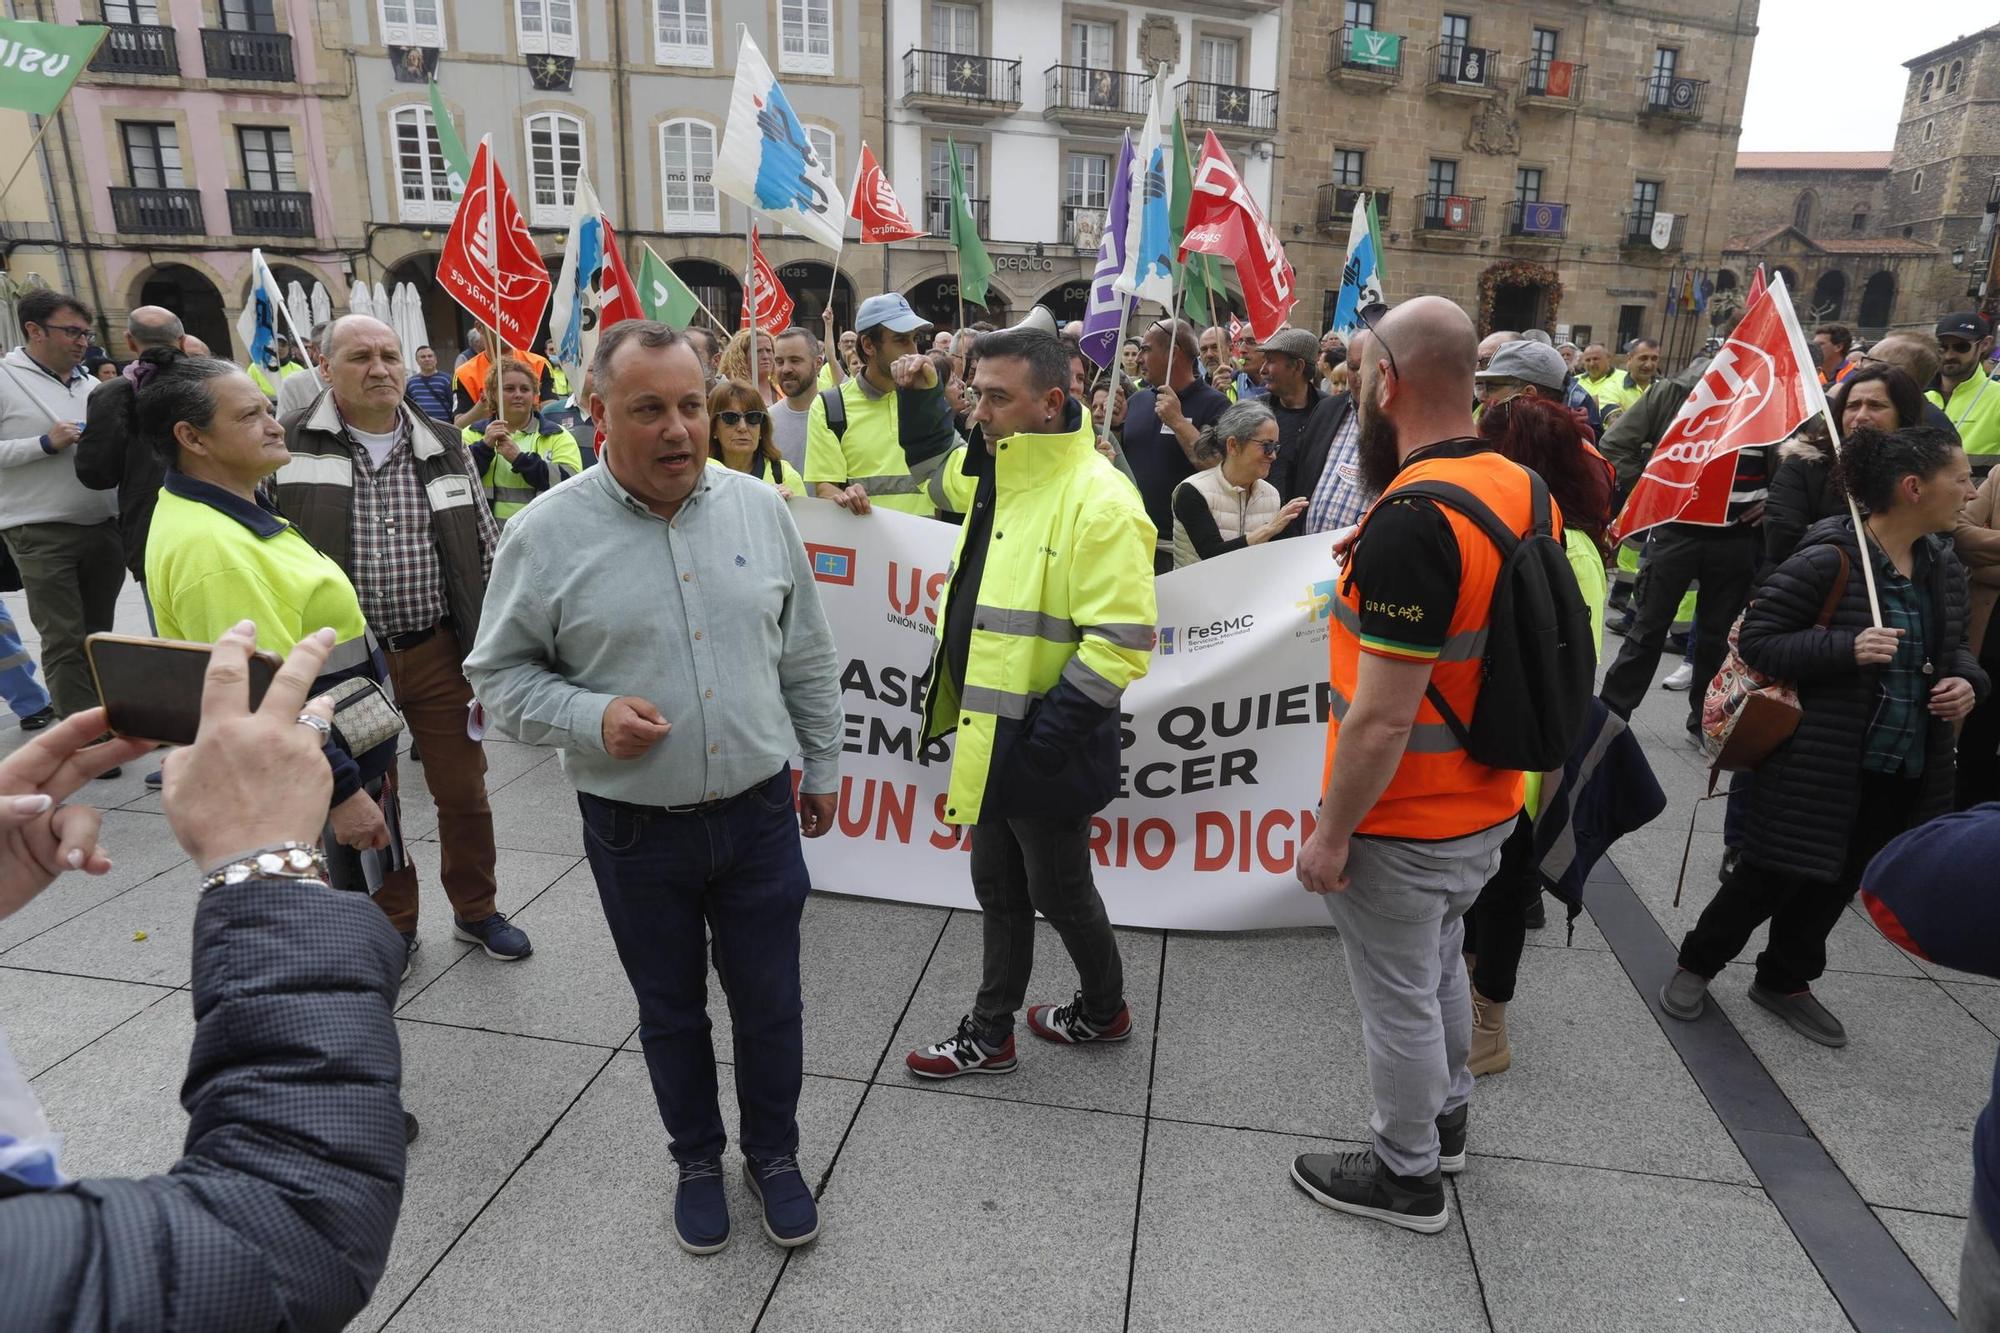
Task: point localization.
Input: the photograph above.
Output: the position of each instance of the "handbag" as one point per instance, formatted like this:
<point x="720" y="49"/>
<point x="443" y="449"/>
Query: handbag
<point x="363" y="716"/>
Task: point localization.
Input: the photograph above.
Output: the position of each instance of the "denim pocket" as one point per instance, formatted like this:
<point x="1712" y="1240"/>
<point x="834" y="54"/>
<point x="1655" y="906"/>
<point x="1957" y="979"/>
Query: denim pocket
<point x="613" y="827"/>
<point x="775" y="795"/>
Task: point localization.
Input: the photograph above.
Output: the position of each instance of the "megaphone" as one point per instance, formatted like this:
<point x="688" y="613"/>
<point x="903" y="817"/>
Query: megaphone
<point x="1040" y="319"/>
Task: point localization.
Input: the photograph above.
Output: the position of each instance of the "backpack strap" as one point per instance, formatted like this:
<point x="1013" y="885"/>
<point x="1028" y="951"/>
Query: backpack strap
<point x="836" y="411"/>
<point x="1836" y="591"/>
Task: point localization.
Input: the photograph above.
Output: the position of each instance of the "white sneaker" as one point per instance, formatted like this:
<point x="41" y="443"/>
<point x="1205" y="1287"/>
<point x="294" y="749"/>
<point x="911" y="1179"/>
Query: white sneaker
<point x="1682" y="679"/>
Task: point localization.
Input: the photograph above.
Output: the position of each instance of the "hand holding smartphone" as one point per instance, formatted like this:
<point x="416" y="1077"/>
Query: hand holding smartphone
<point x="151" y="688"/>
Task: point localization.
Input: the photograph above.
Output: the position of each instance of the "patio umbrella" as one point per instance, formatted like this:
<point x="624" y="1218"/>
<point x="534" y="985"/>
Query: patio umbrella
<point x="300" y="308"/>
<point x="382" y="309"/>
<point x="411" y="327"/>
<point x="359" y="302"/>
<point x="322" y="304"/>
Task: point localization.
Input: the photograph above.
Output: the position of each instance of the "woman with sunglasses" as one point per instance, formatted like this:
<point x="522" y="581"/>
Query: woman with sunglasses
<point x="1229" y="505"/>
<point x="516" y="454"/>
<point x="740" y="438"/>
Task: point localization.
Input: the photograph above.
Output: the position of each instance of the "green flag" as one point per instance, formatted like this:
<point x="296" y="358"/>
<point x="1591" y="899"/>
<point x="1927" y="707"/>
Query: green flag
<point x="1380" y="50"/>
<point x="39" y="61"/>
<point x="662" y="294"/>
<point x="456" y="164"/>
<point x="1375" y="230"/>
<point x="1200" y="278"/>
<point x="975" y="268"/>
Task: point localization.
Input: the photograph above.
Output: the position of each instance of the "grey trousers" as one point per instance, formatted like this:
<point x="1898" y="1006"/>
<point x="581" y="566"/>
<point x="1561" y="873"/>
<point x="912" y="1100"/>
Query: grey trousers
<point x="72" y="573"/>
<point x="1978" y="1275"/>
<point x="1401" y="923"/>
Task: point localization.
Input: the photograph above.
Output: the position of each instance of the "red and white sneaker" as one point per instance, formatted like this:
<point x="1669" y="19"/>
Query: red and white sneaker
<point x="962" y="1053"/>
<point x="1066" y="1023"/>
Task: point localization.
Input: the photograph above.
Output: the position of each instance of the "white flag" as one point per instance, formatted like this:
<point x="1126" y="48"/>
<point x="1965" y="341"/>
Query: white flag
<point x="1149" y="238"/>
<point x="766" y="161"/>
<point x="1663" y="230"/>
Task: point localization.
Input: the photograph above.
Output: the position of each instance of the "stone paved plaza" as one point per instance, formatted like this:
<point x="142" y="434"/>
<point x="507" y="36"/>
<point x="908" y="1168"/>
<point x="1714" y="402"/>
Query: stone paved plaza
<point x="1726" y="1175"/>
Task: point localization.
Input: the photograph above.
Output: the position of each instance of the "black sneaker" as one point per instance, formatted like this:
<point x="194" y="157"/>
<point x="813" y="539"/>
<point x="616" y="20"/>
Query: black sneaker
<point x="410" y="947"/>
<point x="409" y="1128"/>
<point x="1451" y="1140"/>
<point x="1362" y="1184"/>
<point x="1537" y="915"/>
<point x="35" y="721"/>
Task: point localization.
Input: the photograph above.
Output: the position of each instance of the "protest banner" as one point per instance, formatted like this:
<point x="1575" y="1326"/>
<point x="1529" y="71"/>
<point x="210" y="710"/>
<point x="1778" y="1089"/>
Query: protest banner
<point x="1225" y="738"/>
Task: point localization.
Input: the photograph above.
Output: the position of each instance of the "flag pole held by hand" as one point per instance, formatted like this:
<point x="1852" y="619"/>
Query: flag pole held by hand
<point x="1860" y="532"/>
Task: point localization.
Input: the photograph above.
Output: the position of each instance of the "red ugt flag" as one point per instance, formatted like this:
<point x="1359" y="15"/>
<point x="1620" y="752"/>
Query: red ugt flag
<point x="774" y="303"/>
<point x="1758" y="390"/>
<point x="1223" y="219"/>
<point x="875" y="206"/>
<point x="489" y="264"/>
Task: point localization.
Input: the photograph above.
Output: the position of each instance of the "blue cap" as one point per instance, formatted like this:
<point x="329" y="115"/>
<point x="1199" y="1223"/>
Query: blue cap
<point x="888" y="311"/>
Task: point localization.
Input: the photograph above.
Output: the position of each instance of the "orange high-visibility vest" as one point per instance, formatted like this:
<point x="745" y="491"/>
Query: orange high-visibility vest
<point x="472" y="375"/>
<point x="1439" y="791"/>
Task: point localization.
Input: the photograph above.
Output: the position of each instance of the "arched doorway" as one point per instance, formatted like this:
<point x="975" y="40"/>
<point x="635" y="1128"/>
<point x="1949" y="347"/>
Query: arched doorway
<point x="1725" y="280"/>
<point x="1829" y="294"/>
<point x="714" y="286"/>
<point x="188" y="293"/>
<point x="1518" y="294"/>
<point x="1791" y="277"/>
<point x="937" y="301"/>
<point x="1067" y="301"/>
<point x="1878" y="301"/>
<point x="809" y="282"/>
<point x="445" y="321"/>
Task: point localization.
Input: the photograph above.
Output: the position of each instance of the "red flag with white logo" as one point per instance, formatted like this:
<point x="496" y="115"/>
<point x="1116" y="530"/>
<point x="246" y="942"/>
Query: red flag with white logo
<point x="489" y="264"/>
<point x="873" y="203"/>
<point x="1758" y="389"/>
<point x="774" y="303"/>
<point x="1224" y="220"/>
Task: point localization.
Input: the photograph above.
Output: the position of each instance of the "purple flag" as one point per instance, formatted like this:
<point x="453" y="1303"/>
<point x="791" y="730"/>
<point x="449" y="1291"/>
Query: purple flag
<point x="1110" y="308"/>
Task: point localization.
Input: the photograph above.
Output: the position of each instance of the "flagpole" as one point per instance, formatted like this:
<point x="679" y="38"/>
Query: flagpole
<point x="699" y="303"/>
<point x="959" y="264"/>
<point x="1860" y="529"/>
<point x="750" y="250"/>
<point x="497" y="350"/>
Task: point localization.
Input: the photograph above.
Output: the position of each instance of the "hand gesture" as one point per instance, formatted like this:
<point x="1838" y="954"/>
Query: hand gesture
<point x="853" y="498"/>
<point x="63" y="434"/>
<point x="1876" y="646"/>
<point x="1223" y="378"/>
<point x="39" y="836"/>
<point x="500" y="439"/>
<point x="1952" y="698"/>
<point x="826" y="319"/>
<point x="1167" y="406"/>
<point x="358" y="823"/>
<point x="914" y="371"/>
<point x="1285" y="518"/>
<point x="633" y="726"/>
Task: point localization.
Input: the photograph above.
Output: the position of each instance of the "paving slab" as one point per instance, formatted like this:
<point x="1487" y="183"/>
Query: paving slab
<point x="1982" y="1002"/>
<point x="1108" y="1077"/>
<point x="969" y="1213"/>
<point x="1934" y="1244"/>
<point x="520" y="876"/>
<point x="1227" y="1242"/>
<point x="47" y="1017"/>
<point x="505" y="762"/>
<point x="106" y="941"/>
<point x="537" y="812"/>
<point x="580" y="1238"/>
<point x="1567" y="1248"/>
<point x="141" y="846"/>
<point x="117" y="1101"/>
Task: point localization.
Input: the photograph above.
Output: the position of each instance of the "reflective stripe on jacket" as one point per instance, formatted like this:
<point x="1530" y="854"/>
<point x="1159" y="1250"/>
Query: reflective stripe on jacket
<point x="507" y="490"/>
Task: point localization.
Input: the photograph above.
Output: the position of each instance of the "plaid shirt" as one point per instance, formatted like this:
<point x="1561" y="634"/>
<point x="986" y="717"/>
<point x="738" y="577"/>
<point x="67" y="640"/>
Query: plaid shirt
<point x="397" y="572"/>
<point x="1894" y="744"/>
<point x="1339" y="499"/>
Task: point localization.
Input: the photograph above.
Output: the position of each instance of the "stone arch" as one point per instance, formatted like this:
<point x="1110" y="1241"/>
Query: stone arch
<point x="810" y="282"/>
<point x="1518" y="294"/>
<point x="445" y="321"/>
<point x="194" y="295"/>
<point x="1726" y="280"/>
<point x="1830" y="295"/>
<point x="714" y="285"/>
<point x="935" y="297"/>
<point x="1878" y="300"/>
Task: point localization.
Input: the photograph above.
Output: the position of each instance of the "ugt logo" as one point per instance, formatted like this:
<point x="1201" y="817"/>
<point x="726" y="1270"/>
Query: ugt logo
<point x="1318" y="602"/>
<point x="910" y="589"/>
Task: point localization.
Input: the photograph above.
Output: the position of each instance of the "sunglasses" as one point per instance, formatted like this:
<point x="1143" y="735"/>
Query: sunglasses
<point x="734" y="418"/>
<point x="1954" y="345"/>
<point x="1371" y="315"/>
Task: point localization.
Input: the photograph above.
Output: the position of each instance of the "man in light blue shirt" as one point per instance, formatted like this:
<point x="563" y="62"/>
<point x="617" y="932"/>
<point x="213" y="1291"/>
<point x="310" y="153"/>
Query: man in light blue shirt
<point x="657" y="620"/>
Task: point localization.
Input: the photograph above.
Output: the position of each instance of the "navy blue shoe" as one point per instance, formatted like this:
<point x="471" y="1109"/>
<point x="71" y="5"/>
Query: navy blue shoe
<point x="790" y="1215"/>
<point x="701" y="1213"/>
<point x="155" y="779"/>
<point x="500" y="937"/>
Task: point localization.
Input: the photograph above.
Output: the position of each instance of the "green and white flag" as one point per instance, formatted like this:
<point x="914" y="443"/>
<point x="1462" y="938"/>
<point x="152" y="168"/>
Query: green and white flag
<point x="662" y="294"/>
<point x="40" y="61"/>
<point x="1200" y="274"/>
<point x="456" y="164"/>
<point x="975" y="266"/>
<point x="1365" y="46"/>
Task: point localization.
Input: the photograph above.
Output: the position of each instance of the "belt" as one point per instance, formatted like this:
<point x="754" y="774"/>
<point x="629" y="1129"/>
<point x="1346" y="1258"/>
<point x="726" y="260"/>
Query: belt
<point x="696" y="808"/>
<point x="402" y="643"/>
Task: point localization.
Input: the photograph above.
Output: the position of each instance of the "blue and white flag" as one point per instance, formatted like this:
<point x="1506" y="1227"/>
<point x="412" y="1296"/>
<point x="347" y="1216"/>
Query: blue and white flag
<point x="1361" y="278"/>
<point x="1110" y="308"/>
<point x="1148" y="272"/>
<point x="573" y="315"/>
<point x="258" y="323"/>
<point x="766" y="161"/>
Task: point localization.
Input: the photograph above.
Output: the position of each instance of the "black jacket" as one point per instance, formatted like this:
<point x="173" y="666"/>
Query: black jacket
<point x="1802" y="806"/>
<point x="1801" y="495"/>
<point x="1301" y="460"/>
<point x="110" y="456"/>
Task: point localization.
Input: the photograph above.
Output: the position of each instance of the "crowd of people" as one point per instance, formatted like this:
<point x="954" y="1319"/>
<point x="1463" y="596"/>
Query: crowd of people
<point x="441" y="552"/>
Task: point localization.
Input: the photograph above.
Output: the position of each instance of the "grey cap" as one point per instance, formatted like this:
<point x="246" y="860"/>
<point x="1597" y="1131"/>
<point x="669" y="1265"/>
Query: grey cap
<point x="1531" y="363"/>
<point x="1299" y="344"/>
<point x="1538" y="336"/>
<point x="889" y="310"/>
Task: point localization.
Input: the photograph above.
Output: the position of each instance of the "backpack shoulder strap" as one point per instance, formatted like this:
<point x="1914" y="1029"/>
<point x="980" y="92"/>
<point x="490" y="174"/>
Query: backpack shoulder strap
<point x="1835" y="591"/>
<point x="1474" y="508"/>
<point x="836" y="411"/>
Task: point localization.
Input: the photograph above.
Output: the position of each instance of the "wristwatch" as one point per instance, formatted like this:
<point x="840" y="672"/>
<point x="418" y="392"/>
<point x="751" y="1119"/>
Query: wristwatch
<point x="286" y="860"/>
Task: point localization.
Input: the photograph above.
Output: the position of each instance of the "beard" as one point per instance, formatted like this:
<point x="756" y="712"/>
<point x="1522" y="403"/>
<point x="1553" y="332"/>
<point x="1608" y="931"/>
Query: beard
<point x="1380" y="456"/>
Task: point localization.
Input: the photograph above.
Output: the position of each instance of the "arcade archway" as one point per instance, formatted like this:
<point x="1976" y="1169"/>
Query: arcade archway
<point x="714" y="286"/>
<point x="810" y="282"/>
<point x="936" y="299"/>
<point x="190" y="294"/>
<point x="445" y="321"/>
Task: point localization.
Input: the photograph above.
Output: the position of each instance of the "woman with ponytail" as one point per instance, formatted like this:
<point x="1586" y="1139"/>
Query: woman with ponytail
<point x="1873" y="753"/>
<point x="1229" y="505"/>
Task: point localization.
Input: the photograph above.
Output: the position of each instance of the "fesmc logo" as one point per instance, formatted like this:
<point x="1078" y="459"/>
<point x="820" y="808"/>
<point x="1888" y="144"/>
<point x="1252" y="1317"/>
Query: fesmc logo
<point x="1173" y="639"/>
<point x="911" y="591"/>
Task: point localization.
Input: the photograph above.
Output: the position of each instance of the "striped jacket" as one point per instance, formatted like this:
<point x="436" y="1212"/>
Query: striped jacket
<point x="315" y="491"/>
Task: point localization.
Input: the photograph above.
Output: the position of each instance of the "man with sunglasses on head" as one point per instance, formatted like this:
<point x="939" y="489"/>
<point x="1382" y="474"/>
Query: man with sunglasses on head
<point x="1965" y="391"/>
<point x="62" y="535"/>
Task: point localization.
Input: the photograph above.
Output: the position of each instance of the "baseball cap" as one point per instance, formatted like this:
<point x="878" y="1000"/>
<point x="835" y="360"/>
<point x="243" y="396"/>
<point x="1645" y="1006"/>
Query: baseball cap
<point x="890" y="310"/>
<point x="1969" y="324"/>
<point x="1531" y="363"/>
<point x="1298" y="344"/>
<point x="1538" y="336"/>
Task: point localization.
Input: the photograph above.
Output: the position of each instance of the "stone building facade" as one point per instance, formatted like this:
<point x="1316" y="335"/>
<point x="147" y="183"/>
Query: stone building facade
<point x="1520" y="154"/>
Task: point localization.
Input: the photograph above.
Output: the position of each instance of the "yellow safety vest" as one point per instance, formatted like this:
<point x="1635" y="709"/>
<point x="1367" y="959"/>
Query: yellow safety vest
<point x="1975" y="410"/>
<point x="507" y="491"/>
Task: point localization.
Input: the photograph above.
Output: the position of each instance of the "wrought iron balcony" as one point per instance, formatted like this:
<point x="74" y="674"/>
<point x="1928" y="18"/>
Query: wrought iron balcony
<point x="1451" y="214"/>
<point x="949" y="81"/>
<point x="1639" y="232"/>
<point x="1463" y="69"/>
<point x="231" y="53"/>
<point x="937" y="215"/>
<point x="1229" y="109"/>
<point x="270" y="213"/>
<point x="145" y="211"/>
<point x="1082" y="226"/>
<point x="1672" y="97"/>
<point x="1365" y="55"/>
<point x="138" y="48"/>
<point x="1551" y="83"/>
<point x="1334" y="210"/>
<point x="1539" y="220"/>
<point x="1090" y="96"/>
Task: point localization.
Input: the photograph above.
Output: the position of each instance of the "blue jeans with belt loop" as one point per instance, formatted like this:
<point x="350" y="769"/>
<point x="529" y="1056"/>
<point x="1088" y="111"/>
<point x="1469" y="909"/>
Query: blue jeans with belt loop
<point x="24" y="694"/>
<point x="730" y="872"/>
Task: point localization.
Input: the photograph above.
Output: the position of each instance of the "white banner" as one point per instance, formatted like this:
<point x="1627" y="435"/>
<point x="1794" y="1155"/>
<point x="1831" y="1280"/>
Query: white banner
<point x="1225" y="738"/>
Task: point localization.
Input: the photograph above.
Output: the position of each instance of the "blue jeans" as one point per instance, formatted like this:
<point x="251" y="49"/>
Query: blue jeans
<point x="24" y="694"/>
<point x="732" y="874"/>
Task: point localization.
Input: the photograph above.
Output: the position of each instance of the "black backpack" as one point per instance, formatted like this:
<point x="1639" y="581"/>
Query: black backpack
<point x="1540" y="666"/>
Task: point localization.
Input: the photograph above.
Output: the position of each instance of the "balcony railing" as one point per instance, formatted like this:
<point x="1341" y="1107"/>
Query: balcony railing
<point x="144" y="211"/>
<point x="1639" y="231"/>
<point x="1540" y="219"/>
<point x="1334" y="210"/>
<point x="1673" y="96"/>
<point x="270" y="213"/>
<point x="1462" y="65"/>
<point x="937" y="215"/>
<point x="1089" y="93"/>
<point x="1082" y="226"/>
<point x="1555" y="83"/>
<point x="1227" y="106"/>
<point x="233" y="54"/>
<point x="1451" y="213"/>
<point x="1365" y="52"/>
<point x="971" y="81"/>
<point x="138" y="48"/>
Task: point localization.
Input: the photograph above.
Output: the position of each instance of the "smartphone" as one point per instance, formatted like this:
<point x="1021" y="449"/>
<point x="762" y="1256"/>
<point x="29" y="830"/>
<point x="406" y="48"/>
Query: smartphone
<point x="151" y="688"/>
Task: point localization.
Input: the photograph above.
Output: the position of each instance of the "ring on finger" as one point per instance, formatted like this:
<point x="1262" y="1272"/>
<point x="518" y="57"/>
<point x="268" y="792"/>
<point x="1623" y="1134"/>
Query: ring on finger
<point x="317" y="723"/>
